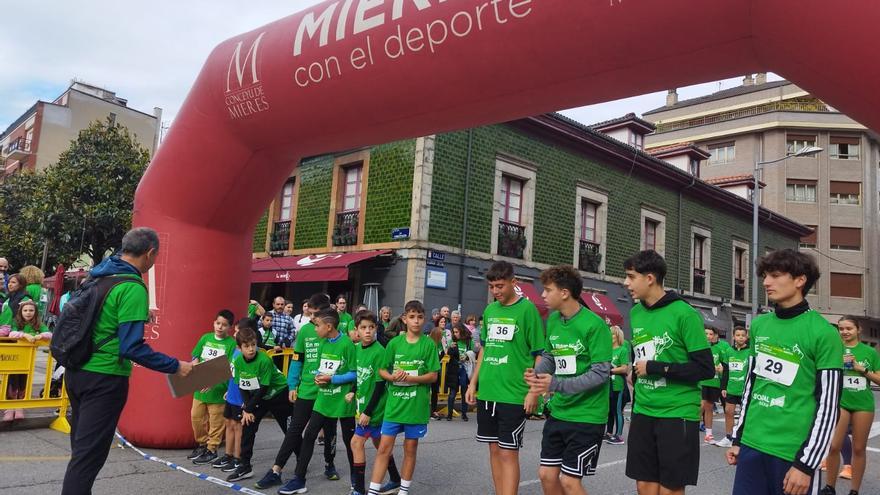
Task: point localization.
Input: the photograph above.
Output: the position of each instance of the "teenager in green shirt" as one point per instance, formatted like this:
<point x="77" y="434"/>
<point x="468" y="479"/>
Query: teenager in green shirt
<point x="733" y="381"/>
<point x="208" y="404"/>
<point x="861" y="367"/>
<point x="575" y="367"/>
<point x="410" y="366"/>
<point x="620" y="369"/>
<point x="346" y="321"/>
<point x="513" y="339"/>
<point x="792" y="390"/>
<point x="711" y="388"/>
<point x="671" y="357"/>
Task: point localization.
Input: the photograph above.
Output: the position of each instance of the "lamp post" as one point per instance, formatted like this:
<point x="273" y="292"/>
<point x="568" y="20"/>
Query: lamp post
<point x="756" y="205"/>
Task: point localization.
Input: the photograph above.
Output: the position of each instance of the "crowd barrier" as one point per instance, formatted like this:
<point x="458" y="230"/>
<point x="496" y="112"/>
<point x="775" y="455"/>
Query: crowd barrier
<point x="19" y="357"/>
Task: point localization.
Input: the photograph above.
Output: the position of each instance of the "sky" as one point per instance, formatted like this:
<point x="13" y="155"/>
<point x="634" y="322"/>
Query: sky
<point x="150" y="52"/>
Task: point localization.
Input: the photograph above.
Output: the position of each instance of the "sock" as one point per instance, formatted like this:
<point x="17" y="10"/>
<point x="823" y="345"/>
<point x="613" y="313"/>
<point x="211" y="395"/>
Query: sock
<point x="374" y="488"/>
<point x="404" y="486"/>
<point x="709" y="432"/>
<point x="360" y="470"/>
<point x="393" y="473"/>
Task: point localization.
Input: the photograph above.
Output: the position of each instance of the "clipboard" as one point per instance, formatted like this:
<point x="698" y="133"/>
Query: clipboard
<point x="203" y="375"/>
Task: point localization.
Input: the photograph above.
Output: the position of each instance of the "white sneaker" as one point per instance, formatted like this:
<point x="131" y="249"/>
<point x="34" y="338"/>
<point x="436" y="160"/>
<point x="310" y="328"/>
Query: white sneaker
<point x="724" y="442"/>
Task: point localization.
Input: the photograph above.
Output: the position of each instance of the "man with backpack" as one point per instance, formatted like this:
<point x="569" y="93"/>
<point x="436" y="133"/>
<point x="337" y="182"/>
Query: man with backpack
<point x="97" y="337"/>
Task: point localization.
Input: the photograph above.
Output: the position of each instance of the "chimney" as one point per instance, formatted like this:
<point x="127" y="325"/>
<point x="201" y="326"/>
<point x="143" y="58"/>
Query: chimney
<point x="672" y="97"/>
<point x="748" y="81"/>
<point x="761" y="78"/>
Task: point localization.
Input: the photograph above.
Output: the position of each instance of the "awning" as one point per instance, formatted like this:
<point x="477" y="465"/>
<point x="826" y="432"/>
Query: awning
<point x="527" y="290"/>
<point x="718" y="318"/>
<point x="309" y="268"/>
<point x="602" y="306"/>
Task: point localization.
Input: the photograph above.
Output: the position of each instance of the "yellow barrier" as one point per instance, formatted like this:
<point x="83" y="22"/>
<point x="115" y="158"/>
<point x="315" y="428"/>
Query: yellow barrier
<point x="19" y="357"/>
<point x="287" y="353"/>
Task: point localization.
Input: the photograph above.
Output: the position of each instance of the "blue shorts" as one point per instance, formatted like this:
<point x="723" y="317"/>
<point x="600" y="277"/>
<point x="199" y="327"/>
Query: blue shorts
<point x="410" y="432"/>
<point x="368" y="431"/>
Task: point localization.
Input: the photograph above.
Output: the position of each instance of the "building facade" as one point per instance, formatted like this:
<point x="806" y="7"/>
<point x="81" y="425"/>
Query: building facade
<point x="424" y="219"/>
<point x="834" y="192"/>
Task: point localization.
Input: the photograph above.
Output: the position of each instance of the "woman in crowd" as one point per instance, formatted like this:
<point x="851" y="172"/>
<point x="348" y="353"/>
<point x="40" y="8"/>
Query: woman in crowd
<point x="17" y="295"/>
<point x="619" y="370"/>
<point x="461" y="359"/>
<point x="33" y="278"/>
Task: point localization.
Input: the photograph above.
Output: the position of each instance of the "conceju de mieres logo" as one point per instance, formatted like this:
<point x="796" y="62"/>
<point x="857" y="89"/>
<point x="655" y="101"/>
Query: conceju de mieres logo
<point x="244" y="91"/>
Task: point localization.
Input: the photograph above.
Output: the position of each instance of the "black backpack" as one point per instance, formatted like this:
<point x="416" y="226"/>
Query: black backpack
<point x="72" y="343"/>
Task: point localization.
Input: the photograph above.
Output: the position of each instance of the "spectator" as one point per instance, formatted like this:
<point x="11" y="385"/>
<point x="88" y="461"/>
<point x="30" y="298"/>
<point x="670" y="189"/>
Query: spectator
<point x="437" y="336"/>
<point x="302" y="318"/>
<point x="461" y="358"/>
<point x="346" y="322"/>
<point x="384" y="319"/>
<point x="395" y="328"/>
<point x="282" y="324"/>
<point x="255" y="309"/>
<point x="17" y="295"/>
<point x="33" y="277"/>
<point x="27" y="326"/>
<point x="431" y="325"/>
<point x="288" y="308"/>
<point x="4" y="274"/>
<point x="455" y="319"/>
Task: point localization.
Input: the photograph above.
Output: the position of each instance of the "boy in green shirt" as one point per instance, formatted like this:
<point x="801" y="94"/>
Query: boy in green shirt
<point x="575" y="366"/>
<point x="792" y="389"/>
<point x="410" y="365"/>
<point x="513" y="339"/>
<point x="208" y="404"/>
<point x="711" y="388"/>
<point x="733" y="381"/>
<point x="671" y="357"/>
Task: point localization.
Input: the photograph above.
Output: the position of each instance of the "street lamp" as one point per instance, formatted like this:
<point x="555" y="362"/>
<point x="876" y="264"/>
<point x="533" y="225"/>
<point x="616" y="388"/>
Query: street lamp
<point x="805" y="151"/>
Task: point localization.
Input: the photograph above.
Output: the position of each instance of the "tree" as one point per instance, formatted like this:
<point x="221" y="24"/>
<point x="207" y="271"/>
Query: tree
<point x="22" y="209"/>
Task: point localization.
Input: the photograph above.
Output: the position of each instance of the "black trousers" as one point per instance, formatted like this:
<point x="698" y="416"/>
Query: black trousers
<point x="293" y="439"/>
<point x="318" y="422"/>
<point x="96" y="402"/>
<point x="280" y="408"/>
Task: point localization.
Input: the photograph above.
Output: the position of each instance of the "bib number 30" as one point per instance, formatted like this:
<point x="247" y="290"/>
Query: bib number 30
<point x="565" y="365"/>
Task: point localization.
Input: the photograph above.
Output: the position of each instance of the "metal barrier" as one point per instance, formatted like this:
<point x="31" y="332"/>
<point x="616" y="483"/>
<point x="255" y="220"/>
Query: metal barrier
<point x="287" y="353"/>
<point x="19" y="357"/>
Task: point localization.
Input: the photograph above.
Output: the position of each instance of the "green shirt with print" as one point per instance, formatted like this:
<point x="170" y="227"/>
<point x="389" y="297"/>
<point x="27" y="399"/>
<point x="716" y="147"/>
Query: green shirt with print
<point x="719" y="355"/>
<point x="29" y="329"/>
<point x="619" y="357"/>
<point x="336" y="357"/>
<point x="268" y="336"/>
<point x="576" y="345"/>
<point x="410" y="403"/>
<point x="7" y="315"/>
<point x="346" y="323"/>
<point x="260" y="372"/>
<point x="306" y="346"/>
<point x="788" y="354"/>
<point x="127" y="302"/>
<point x="369" y="362"/>
<point x="857" y="394"/>
<point x="512" y="336"/>
<point x="668" y="334"/>
<point x="737" y="367"/>
<point x="209" y="347"/>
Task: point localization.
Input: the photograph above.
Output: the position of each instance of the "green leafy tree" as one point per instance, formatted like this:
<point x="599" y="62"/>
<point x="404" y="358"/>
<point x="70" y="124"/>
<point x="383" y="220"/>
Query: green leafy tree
<point x="22" y="209"/>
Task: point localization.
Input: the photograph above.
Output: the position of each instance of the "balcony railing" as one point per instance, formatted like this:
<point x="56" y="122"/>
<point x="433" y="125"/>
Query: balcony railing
<point x="589" y="257"/>
<point x="777" y="106"/>
<point x="511" y="239"/>
<point x="739" y="289"/>
<point x="280" y="240"/>
<point x="18" y="147"/>
<point x="699" y="281"/>
<point x="345" y="232"/>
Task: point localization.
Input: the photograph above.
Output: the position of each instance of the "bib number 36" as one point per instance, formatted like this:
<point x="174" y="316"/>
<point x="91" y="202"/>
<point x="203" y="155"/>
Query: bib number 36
<point x="501" y="331"/>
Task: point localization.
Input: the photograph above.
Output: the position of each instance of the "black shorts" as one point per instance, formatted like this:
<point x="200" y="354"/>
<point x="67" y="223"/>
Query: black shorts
<point x="711" y="394"/>
<point x="501" y="423"/>
<point x="573" y="447"/>
<point x="735" y="400"/>
<point x="232" y="412"/>
<point x="663" y="450"/>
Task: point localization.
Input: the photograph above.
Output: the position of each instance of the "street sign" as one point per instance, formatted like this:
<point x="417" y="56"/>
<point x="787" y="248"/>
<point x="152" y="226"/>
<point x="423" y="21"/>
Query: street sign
<point x="436" y="258"/>
<point x="400" y="234"/>
<point x="435" y="279"/>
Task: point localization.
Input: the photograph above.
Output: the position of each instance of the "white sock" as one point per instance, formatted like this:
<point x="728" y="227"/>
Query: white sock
<point x="404" y="486"/>
<point x="709" y="432"/>
<point x="374" y="488"/>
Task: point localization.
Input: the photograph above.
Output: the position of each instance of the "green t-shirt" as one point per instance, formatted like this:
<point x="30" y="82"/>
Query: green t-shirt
<point x="306" y="346"/>
<point x="782" y="403"/>
<point x="512" y="336"/>
<point x="125" y="303"/>
<point x="737" y="367"/>
<point x="261" y="372"/>
<point x="410" y="403"/>
<point x="667" y="334"/>
<point x="29" y="329"/>
<point x="252" y="310"/>
<point x="7" y="315"/>
<point x="346" y="323"/>
<point x="619" y="357"/>
<point x="576" y="345"/>
<point x="209" y="347"/>
<point x="268" y="336"/>
<point x="336" y="357"/>
<point x="369" y="362"/>
<point x="719" y="355"/>
<point x="857" y="394"/>
<point x="39" y="295"/>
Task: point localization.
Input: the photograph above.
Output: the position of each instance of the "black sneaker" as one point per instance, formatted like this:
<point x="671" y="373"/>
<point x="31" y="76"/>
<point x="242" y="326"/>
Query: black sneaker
<point x="828" y="490"/>
<point x="207" y="457"/>
<point x="232" y="466"/>
<point x="221" y="462"/>
<point x="330" y="473"/>
<point x="197" y="452"/>
<point x="270" y="479"/>
<point x="242" y="472"/>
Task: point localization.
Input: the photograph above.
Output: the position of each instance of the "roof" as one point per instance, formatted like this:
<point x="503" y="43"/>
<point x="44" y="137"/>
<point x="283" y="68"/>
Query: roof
<point x="735" y="180"/>
<point x="625" y="121"/>
<point x="720" y="95"/>
<point x="679" y="149"/>
<point x="20" y="119"/>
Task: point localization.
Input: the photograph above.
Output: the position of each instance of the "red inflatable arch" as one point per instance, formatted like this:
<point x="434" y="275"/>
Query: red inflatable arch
<point x="349" y="73"/>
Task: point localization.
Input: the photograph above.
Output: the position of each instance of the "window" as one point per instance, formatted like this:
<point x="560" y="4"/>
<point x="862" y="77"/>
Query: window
<point x="653" y="224"/>
<point x="651" y="234"/>
<point x="846" y="193"/>
<point x="511" y="199"/>
<point x="351" y="193"/>
<point x="846" y="285"/>
<point x="844" y="148"/>
<point x="112" y="120"/>
<point x="286" y="210"/>
<point x="588" y="221"/>
<point x="800" y="191"/>
<point x="700" y="259"/>
<point x="636" y="140"/>
<point x="513" y="208"/>
<point x="795" y="143"/>
<point x="809" y="241"/>
<point x="722" y="153"/>
<point x="846" y="238"/>
<point x="350" y="183"/>
<point x="740" y="272"/>
<point x="695" y="167"/>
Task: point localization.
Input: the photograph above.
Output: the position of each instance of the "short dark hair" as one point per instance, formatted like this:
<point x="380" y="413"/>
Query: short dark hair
<point x="139" y="240"/>
<point x="500" y="270"/>
<point x="852" y="319"/>
<point x="365" y="315"/>
<point x="564" y="277"/>
<point x="791" y="262"/>
<point x="319" y="301"/>
<point x="245" y="336"/>
<point x="227" y="314"/>
<point x="246" y="323"/>
<point x="328" y="315"/>
<point x="710" y="328"/>
<point x="645" y="262"/>
<point x="738" y="328"/>
<point x="414" y="305"/>
<point x="341" y="296"/>
<point x="268" y="315"/>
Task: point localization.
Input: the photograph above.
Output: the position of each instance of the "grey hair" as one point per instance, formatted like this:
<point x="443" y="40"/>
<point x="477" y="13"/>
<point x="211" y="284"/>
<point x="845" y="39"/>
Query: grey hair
<point x="456" y="313"/>
<point x="139" y="240"/>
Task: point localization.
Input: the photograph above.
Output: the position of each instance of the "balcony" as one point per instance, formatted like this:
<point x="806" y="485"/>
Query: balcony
<point x="345" y="232"/>
<point x="589" y="257"/>
<point x="18" y="149"/>
<point x="739" y="289"/>
<point x="699" y="281"/>
<point x="511" y="239"/>
<point x="793" y="105"/>
<point x="280" y="239"/>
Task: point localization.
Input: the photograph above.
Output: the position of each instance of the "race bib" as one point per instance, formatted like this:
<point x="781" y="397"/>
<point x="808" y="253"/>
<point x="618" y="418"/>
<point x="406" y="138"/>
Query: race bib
<point x="776" y="367"/>
<point x="501" y="331"/>
<point x="209" y="353"/>
<point x="736" y="366"/>
<point x="566" y="361"/>
<point x="408" y="384"/>
<point x="248" y="384"/>
<point x="329" y="366"/>
<point x="855" y="383"/>
<point x="645" y="351"/>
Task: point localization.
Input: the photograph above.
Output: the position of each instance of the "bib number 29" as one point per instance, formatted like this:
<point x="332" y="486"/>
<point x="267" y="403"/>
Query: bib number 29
<point x="776" y="369"/>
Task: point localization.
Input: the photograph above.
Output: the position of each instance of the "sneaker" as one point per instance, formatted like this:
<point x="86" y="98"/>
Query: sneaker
<point x="846" y="472"/>
<point x="207" y="457"/>
<point x="615" y="440"/>
<point x="242" y="472"/>
<point x="222" y="462"/>
<point x="389" y="488"/>
<point x="330" y="473"/>
<point x="709" y="439"/>
<point x="294" y="485"/>
<point x="320" y="440"/>
<point x="724" y="442"/>
<point x="232" y="466"/>
<point x="197" y="452"/>
<point x="828" y="490"/>
<point x="270" y="479"/>
<point x="607" y="436"/>
<point x="464" y="417"/>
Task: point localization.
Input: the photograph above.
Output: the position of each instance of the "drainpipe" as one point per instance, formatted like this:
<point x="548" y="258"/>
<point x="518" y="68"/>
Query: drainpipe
<point x="464" y="217"/>
<point x="678" y="264"/>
